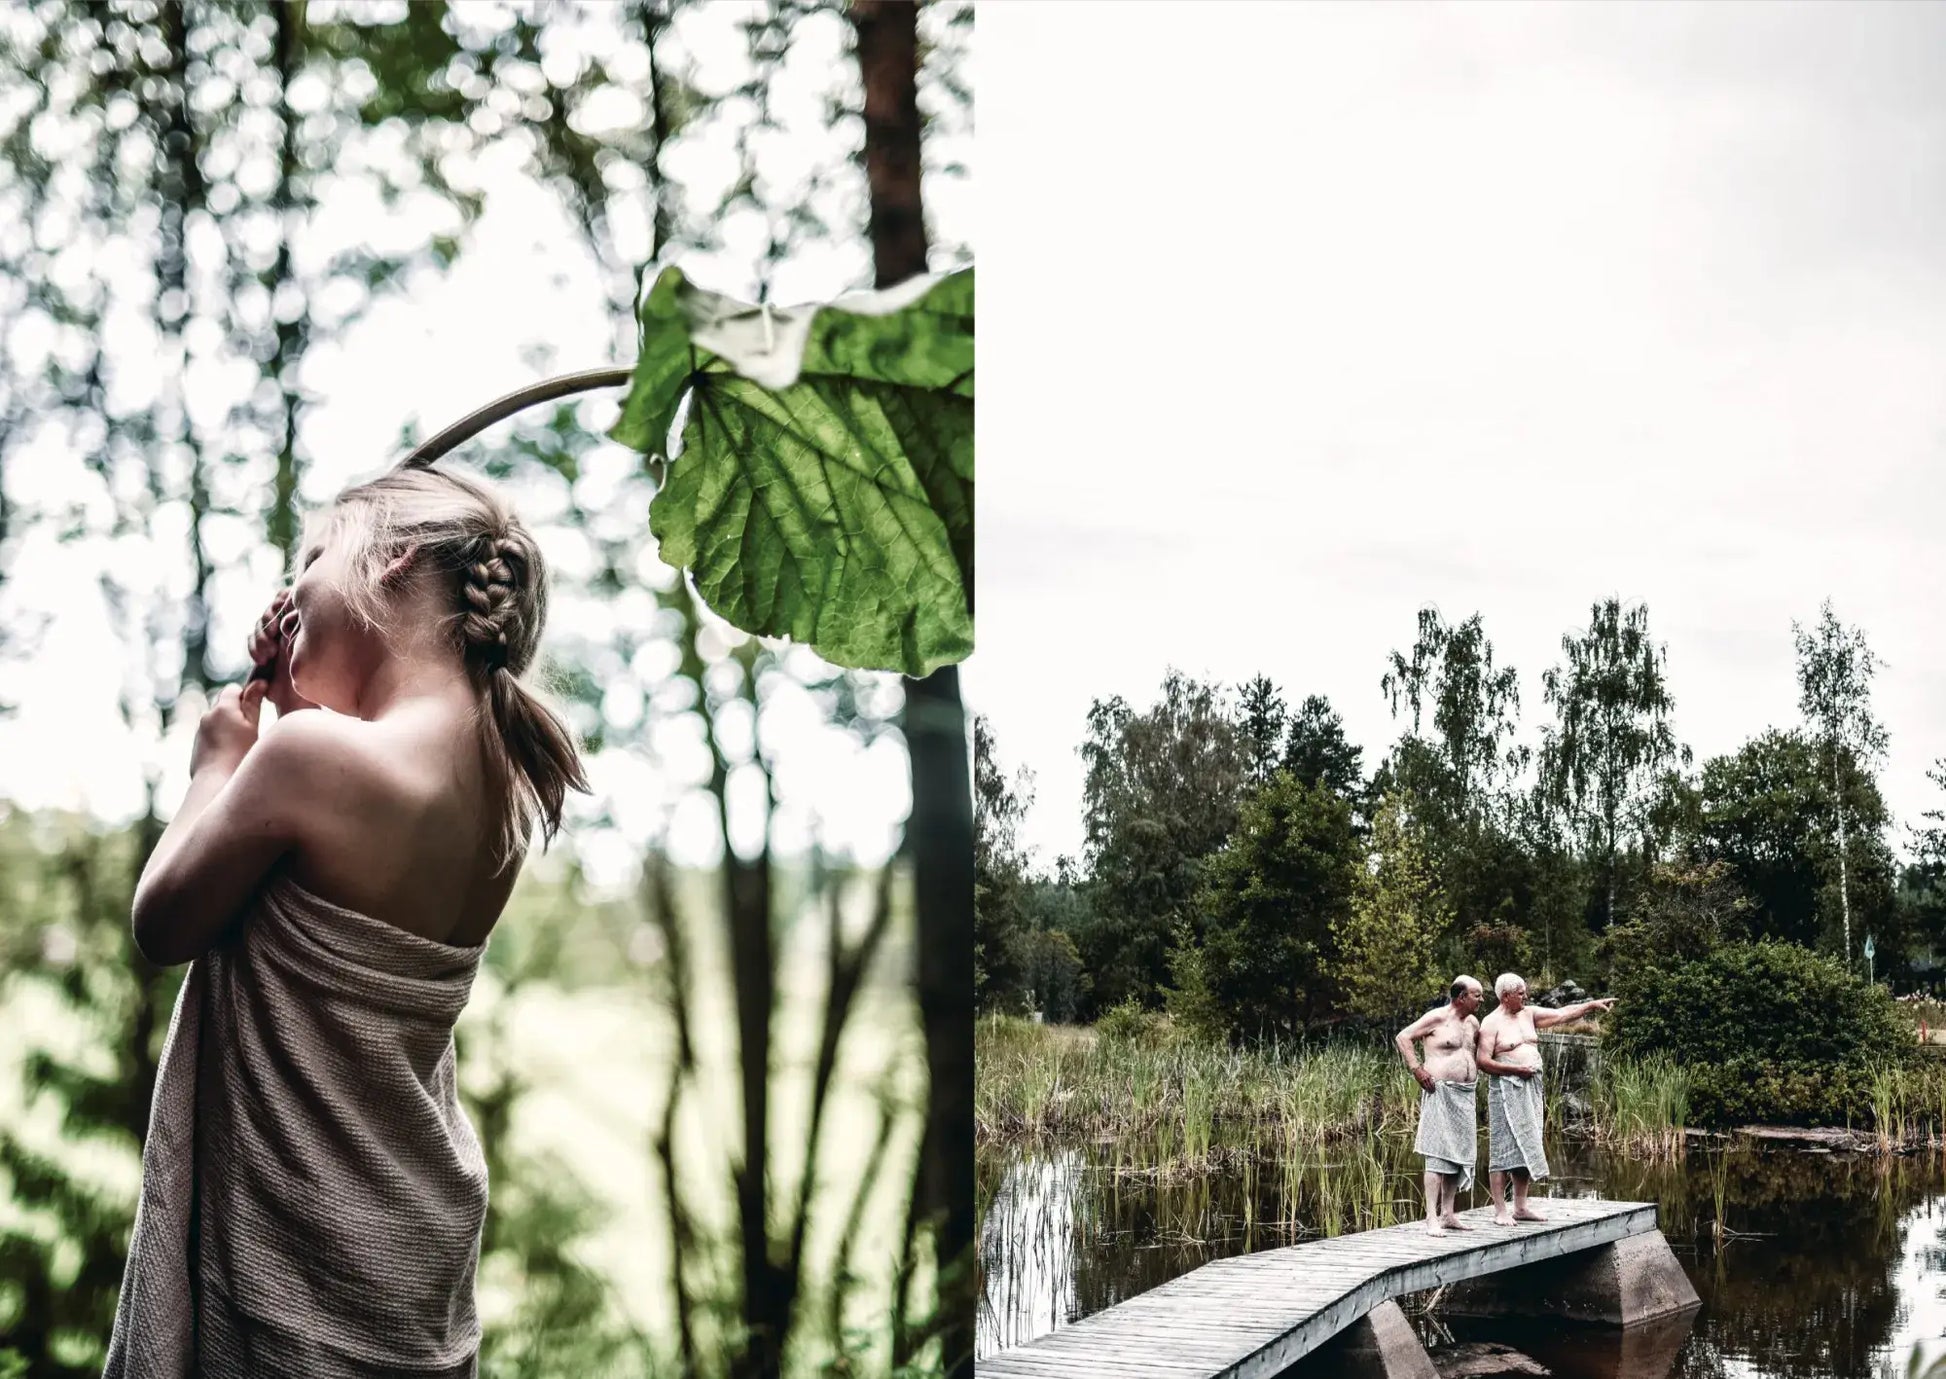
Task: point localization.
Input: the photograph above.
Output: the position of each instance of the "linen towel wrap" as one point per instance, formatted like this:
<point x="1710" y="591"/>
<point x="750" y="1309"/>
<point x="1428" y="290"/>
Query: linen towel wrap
<point x="1449" y="1130"/>
<point x="312" y="1192"/>
<point x="1514" y="1106"/>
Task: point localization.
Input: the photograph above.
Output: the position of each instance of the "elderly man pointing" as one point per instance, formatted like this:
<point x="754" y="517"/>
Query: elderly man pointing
<point x="1449" y="1127"/>
<point x="1510" y="1054"/>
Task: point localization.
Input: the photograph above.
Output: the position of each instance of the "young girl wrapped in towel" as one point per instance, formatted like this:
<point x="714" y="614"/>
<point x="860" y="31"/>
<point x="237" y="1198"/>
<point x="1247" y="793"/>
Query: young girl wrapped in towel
<point x="313" y="1194"/>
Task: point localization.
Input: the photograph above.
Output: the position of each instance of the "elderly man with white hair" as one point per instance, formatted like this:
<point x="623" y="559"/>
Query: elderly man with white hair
<point x="1510" y="1054"/>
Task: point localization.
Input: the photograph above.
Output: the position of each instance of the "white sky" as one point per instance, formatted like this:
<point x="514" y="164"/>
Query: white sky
<point x="435" y="352"/>
<point x="1298" y="317"/>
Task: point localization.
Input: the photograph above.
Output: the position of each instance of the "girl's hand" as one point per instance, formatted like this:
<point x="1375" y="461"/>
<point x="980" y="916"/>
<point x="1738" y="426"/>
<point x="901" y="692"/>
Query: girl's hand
<point x="266" y="638"/>
<point x="229" y="729"/>
<point x="270" y="654"/>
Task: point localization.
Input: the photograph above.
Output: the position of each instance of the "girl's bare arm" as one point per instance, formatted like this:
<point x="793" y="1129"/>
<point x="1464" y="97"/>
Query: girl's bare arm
<point x="239" y="818"/>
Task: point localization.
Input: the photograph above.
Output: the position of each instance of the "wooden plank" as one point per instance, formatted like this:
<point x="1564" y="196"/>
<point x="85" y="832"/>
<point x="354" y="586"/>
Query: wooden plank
<point x="1251" y="1316"/>
<point x="1288" y="1304"/>
<point x="1268" y="1315"/>
<point x="1203" y="1319"/>
<point x="1416" y="1277"/>
<point x="1075" y="1358"/>
<point x="1036" y="1363"/>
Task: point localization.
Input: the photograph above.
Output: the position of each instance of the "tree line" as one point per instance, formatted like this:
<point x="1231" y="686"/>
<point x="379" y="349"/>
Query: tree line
<point x="1243" y="868"/>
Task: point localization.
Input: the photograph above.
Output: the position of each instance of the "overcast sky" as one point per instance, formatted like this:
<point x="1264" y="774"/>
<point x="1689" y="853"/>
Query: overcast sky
<point x="1298" y="317"/>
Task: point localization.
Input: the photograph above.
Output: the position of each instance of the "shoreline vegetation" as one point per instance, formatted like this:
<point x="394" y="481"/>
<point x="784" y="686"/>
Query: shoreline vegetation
<point x="1182" y="1104"/>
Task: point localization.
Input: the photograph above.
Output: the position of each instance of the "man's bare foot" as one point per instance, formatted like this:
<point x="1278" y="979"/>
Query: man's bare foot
<point x="1502" y="1219"/>
<point x="1453" y="1223"/>
<point x="1528" y="1214"/>
<point x="1434" y="1228"/>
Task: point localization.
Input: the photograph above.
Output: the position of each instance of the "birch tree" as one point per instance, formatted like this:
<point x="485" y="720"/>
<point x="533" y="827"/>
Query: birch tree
<point x="1834" y="679"/>
<point x="1612" y="738"/>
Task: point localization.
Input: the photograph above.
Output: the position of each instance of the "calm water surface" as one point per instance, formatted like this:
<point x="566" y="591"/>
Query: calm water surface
<point x="1832" y="1265"/>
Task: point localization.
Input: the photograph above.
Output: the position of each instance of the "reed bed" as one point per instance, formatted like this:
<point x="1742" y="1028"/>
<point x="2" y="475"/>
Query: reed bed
<point x="1178" y="1104"/>
<point x="1889" y="1102"/>
<point x="1909" y="1106"/>
<point x="1174" y="1104"/>
<point x="1643" y="1107"/>
<point x="1640" y="1107"/>
<point x="1036" y="1084"/>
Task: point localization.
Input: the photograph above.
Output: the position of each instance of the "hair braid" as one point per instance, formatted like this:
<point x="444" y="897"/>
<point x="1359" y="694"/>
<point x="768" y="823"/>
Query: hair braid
<point x="498" y="577"/>
<point x="492" y="622"/>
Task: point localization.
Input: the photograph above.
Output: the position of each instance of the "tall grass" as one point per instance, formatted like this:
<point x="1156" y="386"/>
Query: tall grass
<point x="1909" y="1105"/>
<point x="1038" y="1083"/>
<point x="1178" y="1103"/>
<point x="1640" y="1107"/>
<point x="1719" y="1171"/>
<point x="1889" y="1106"/>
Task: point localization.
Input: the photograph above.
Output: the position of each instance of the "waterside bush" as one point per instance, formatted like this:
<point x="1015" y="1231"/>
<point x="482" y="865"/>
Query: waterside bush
<point x="1768" y="1032"/>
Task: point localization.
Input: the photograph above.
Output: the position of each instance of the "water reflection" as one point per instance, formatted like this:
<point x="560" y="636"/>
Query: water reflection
<point x="1029" y="1246"/>
<point x="1810" y="1266"/>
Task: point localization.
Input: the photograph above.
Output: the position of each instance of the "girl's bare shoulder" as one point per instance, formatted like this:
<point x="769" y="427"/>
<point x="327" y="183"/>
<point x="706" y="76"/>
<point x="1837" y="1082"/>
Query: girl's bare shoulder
<point x="385" y="825"/>
<point x="341" y="768"/>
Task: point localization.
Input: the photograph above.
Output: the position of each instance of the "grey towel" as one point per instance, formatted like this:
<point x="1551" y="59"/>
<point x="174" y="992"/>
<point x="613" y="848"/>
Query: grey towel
<point x="1514" y="1116"/>
<point x="1449" y="1130"/>
<point x="312" y="1192"/>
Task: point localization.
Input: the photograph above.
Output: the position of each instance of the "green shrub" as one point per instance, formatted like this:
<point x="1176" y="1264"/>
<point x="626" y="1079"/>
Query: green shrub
<point x="1747" y="1091"/>
<point x="1496" y="948"/>
<point x="1188" y="999"/>
<point x="1769" y="1031"/>
<point x="1769" y="1001"/>
<point x="1128" y="1023"/>
<point x="1686" y="912"/>
<point x="1057" y="982"/>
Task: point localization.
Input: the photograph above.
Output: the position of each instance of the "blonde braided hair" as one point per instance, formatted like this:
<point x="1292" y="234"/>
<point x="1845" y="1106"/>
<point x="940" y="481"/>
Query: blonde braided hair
<point x="492" y="621"/>
<point x="465" y="527"/>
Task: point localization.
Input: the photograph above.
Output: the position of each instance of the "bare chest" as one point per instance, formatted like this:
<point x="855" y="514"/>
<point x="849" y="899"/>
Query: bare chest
<point x="1451" y="1035"/>
<point x="1516" y="1031"/>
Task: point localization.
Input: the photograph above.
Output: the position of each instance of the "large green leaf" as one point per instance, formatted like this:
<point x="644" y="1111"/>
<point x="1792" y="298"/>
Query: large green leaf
<point x="822" y="489"/>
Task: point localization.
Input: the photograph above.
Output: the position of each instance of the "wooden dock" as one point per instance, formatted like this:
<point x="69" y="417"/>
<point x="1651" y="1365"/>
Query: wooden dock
<point x="1252" y="1316"/>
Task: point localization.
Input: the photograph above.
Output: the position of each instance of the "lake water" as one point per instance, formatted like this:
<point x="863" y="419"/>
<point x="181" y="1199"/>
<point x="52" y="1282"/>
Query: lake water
<point x="1831" y="1266"/>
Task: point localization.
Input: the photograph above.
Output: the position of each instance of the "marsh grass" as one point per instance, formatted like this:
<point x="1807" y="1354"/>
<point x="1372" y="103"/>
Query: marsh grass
<point x="1888" y="1107"/>
<point x="1640" y="1107"/>
<point x="1173" y="1105"/>
<point x="1191" y="1105"/>
<point x="1037" y="1083"/>
<point x="1719" y="1175"/>
<point x="1909" y="1106"/>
